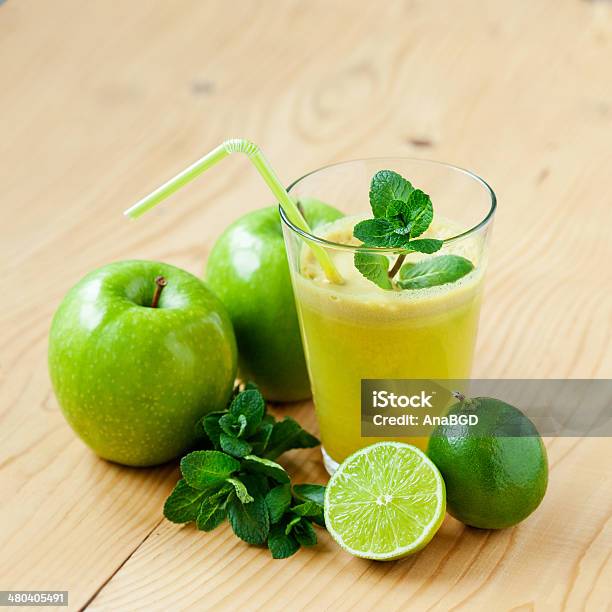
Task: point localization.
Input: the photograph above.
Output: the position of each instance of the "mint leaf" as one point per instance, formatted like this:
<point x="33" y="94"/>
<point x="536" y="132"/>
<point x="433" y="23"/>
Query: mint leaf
<point x="241" y="491"/>
<point x="425" y="245"/>
<point x="286" y="435"/>
<point x="385" y="187"/>
<point x="213" y="510"/>
<point x="249" y="405"/>
<point x="234" y="446"/>
<point x="183" y="504"/>
<point x="399" y="215"/>
<point x="421" y="214"/>
<point x="280" y="544"/>
<point x="292" y="523"/>
<point x="374" y="267"/>
<point x="307" y="508"/>
<point x="278" y="501"/>
<point x="310" y="492"/>
<point x="261" y="465"/>
<point x="404" y="220"/>
<point x="257" y="484"/>
<point x="413" y="216"/>
<point x="250" y="522"/>
<point x="233" y="425"/>
<point x="203" y="469"/>
<point x="259" y="440"/>
<point x="311" y="510"/>
<point x="202" y="439"/>
<point x="210" y="517"/>
<point x="210" y="424"/>
<point x="242" y="422"/>
<point x="304" y="533"/>
<point x="379" y="233"/>
<point x="436" y="271"/>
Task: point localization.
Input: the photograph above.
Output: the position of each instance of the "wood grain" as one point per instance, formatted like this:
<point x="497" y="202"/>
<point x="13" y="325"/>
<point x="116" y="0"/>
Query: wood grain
<point x="102" y="101"/>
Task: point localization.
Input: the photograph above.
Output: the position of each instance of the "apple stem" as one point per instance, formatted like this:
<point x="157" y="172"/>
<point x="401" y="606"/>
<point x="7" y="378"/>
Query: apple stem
<point x="160" y="283"/>
<point x="397" y="265"/>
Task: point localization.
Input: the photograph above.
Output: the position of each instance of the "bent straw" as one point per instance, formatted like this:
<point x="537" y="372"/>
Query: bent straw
<point x="252" y="151"/>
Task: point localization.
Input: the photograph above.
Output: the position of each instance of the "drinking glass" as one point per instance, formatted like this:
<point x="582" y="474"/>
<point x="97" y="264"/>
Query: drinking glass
<point x="356" y="330"/>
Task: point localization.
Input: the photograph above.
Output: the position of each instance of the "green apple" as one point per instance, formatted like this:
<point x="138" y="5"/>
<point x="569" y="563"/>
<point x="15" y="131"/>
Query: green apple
<point x="134" y="364"/>
<point x="248" y="270"/>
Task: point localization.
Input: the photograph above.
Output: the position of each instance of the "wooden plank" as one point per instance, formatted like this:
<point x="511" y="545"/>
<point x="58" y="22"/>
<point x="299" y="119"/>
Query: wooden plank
<point x="549" y="561"/>
<point x="101" y="101"/>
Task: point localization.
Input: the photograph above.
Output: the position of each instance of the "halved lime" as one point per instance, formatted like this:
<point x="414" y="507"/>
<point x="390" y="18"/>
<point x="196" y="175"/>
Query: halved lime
<point x="385" y="501"/>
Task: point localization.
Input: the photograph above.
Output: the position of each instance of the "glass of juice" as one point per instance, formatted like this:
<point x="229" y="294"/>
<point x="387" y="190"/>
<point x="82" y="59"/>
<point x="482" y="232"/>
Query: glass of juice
<point x="356" y="330"/>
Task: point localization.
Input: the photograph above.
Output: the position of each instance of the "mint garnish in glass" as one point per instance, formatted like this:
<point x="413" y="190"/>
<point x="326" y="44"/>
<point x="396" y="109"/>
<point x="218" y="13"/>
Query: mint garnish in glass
<point x="402" y="214"/>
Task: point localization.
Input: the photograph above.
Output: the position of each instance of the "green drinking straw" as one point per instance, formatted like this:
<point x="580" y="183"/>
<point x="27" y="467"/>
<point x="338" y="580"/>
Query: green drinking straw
<point x="252" y="151"/>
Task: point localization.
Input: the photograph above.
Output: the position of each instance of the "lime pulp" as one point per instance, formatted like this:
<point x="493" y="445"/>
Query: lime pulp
<point x="385" y="501"/>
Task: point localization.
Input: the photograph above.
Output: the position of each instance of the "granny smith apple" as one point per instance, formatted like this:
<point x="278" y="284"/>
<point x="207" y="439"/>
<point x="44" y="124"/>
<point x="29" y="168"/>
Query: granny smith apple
<point x="248" y="269"/>
<point x="138" y="352"/>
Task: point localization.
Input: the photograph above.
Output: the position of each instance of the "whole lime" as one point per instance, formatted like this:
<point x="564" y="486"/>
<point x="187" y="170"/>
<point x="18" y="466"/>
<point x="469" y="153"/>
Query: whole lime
<point x="496" y="470"/>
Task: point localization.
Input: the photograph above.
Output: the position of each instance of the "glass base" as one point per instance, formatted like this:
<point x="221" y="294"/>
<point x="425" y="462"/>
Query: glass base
<point x="330" y="465"/>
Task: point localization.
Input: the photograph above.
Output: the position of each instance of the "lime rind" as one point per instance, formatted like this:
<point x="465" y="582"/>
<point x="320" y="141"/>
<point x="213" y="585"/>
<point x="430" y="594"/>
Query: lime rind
<point x="385" y="501"/>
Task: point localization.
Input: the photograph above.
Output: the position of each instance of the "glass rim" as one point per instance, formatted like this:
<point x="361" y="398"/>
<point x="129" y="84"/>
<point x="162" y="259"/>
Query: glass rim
<point x="351" y="247"/>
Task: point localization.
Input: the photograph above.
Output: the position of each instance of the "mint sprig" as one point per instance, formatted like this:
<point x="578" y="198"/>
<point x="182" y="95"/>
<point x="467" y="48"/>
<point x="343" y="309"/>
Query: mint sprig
<point x="249" y="488"/>
<point x="401" y="214"/>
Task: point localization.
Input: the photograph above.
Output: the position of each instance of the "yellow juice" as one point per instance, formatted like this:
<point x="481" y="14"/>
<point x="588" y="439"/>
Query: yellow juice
<point x="358" y="331"/>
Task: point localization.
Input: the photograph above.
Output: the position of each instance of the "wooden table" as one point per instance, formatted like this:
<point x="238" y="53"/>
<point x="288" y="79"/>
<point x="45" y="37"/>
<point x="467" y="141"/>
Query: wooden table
<point x="103" y="100"/>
